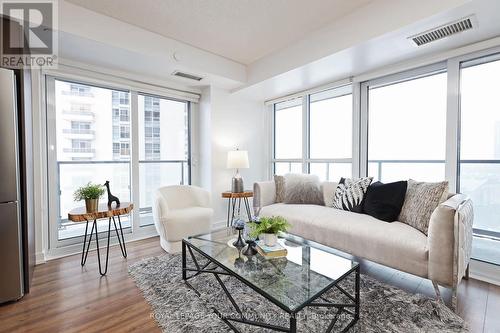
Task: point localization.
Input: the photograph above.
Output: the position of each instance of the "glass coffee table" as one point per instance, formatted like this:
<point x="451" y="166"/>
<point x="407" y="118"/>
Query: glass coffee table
<point x="293" y="283"/>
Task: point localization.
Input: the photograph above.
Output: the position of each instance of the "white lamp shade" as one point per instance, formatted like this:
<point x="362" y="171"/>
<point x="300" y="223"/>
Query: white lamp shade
<point x="237" y="159"/>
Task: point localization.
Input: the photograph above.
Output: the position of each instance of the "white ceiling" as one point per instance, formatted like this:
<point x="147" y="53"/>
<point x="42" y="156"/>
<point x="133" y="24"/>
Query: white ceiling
<point x="368" y="39"/>
<point x="392" y="49"/>
<point x="241" y="30"/>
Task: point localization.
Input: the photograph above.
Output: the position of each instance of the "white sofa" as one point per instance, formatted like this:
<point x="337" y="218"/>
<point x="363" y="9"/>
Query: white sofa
<point x="180" y="211"/>
<point x="443" y="256"/>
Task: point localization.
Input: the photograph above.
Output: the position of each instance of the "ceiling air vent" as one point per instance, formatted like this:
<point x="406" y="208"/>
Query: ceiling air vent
<point x="443" y="31"/>
<point x="187" y="76"/>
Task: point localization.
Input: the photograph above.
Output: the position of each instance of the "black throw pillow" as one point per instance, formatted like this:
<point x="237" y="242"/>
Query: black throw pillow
<point x="384" y="201"/>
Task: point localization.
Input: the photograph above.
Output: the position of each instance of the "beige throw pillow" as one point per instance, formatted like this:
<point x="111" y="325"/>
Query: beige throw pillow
<point x="303" y="189"/>
<point x="420" y="201"/>
<point x="279" y="182"/>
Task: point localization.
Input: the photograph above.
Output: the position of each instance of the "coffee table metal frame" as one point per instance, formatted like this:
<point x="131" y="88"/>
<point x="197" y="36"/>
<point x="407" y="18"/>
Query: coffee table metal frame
<point x="216" y="269"/>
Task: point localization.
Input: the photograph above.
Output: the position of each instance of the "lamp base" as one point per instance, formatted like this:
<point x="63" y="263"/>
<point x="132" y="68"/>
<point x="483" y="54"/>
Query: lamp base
<point x="237" y="185"/>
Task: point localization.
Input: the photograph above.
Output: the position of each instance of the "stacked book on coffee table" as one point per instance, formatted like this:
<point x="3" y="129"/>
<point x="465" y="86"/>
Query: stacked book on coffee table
<point x="271" y="252"/>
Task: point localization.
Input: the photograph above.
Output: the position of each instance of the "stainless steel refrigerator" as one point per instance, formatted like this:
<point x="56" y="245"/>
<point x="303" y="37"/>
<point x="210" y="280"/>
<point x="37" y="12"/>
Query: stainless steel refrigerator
<point x="11" y="259"/>
<point x="16" y="191"/>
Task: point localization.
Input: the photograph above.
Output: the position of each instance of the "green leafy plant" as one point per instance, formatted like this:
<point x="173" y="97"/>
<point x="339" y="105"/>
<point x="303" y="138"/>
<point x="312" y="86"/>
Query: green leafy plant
<point x="89" y="191"/>
<point x="269" y="225"/>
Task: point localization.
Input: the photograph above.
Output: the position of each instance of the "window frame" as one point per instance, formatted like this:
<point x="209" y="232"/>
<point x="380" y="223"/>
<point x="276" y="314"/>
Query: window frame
<point x="456" y="64"/>
<point x="388" y="80"/>
<point x="451" y="65"/>
<point x="273" y="153"/>
<point x="187" y="161"/>
<point x="305" y="160"/>
<point x="136" y="230"/>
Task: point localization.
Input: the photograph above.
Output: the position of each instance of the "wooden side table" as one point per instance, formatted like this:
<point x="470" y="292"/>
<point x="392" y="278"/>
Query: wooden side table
<point x="231" y="205"/>
<point x="80" y="215"/>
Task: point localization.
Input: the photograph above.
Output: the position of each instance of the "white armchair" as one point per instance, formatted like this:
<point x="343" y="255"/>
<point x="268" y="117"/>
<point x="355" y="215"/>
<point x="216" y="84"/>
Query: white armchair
<point x="180" y="211"/>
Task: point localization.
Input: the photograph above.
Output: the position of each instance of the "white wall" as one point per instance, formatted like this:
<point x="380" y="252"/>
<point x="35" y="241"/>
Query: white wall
<point x="201" y="172"/>
<point x="227" y="122"/>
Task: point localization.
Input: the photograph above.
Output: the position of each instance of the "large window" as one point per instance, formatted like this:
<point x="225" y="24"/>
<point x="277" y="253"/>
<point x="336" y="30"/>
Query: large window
<point x="407" y="128"/>
<point x="480" y="152"/>
<point x="91" y="139"/>
<point x="435" y="123"/>
<point x="163" y="147"/>
<point x="313" y="134"/>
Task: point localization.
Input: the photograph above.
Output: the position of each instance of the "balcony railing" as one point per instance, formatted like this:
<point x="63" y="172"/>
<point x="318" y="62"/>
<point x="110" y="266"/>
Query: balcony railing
<point x="72" y="174"/>
<point x="77" y="93"/>
<point x="79" y="150"/>
<point x="78" y="131"/>
<point x="379" y="167"/>
<point x="380" y="164"/>
<point x="79" y="113"/>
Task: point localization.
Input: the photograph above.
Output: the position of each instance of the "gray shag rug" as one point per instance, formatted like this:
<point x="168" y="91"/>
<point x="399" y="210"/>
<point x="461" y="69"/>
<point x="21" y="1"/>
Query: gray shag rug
<point x="177" y="308"/>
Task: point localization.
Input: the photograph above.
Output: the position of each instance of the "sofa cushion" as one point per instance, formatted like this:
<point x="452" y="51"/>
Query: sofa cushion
<point x="303" y="189"/>
<point x="350" y="193"/>
<point x="420" y="201"/>
<point x="384" y="201"/>
<point x="393" y="244"/>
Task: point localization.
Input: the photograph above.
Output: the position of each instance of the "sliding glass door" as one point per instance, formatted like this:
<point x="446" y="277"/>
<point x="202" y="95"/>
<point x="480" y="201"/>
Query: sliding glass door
<point x="479" y="167"/>
<point x="92" y="135"/>
<point x="137" y="141"/>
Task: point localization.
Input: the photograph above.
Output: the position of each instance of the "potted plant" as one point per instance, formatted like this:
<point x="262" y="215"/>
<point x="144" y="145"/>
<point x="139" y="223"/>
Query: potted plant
<point x="268" y="228"/>
<point x="91" y="194"/>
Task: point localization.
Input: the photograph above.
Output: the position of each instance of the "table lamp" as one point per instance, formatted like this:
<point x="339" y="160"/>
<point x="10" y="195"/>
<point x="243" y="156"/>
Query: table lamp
<point x="237" y="159"/>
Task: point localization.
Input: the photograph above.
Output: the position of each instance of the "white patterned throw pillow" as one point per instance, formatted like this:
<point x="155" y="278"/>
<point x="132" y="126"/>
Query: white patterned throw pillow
<point x="350" y="193"/>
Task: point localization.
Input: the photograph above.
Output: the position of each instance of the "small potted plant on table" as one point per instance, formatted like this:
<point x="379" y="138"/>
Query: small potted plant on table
<point x="268" y="228"/>
<point x="91" y="194"/>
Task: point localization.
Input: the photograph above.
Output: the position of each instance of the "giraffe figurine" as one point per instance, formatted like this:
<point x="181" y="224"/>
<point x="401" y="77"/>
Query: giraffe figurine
<point x="111" y="197"/>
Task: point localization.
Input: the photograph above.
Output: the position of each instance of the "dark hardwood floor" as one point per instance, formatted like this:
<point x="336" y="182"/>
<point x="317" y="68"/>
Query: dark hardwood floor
<point x="68" y="298"/>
